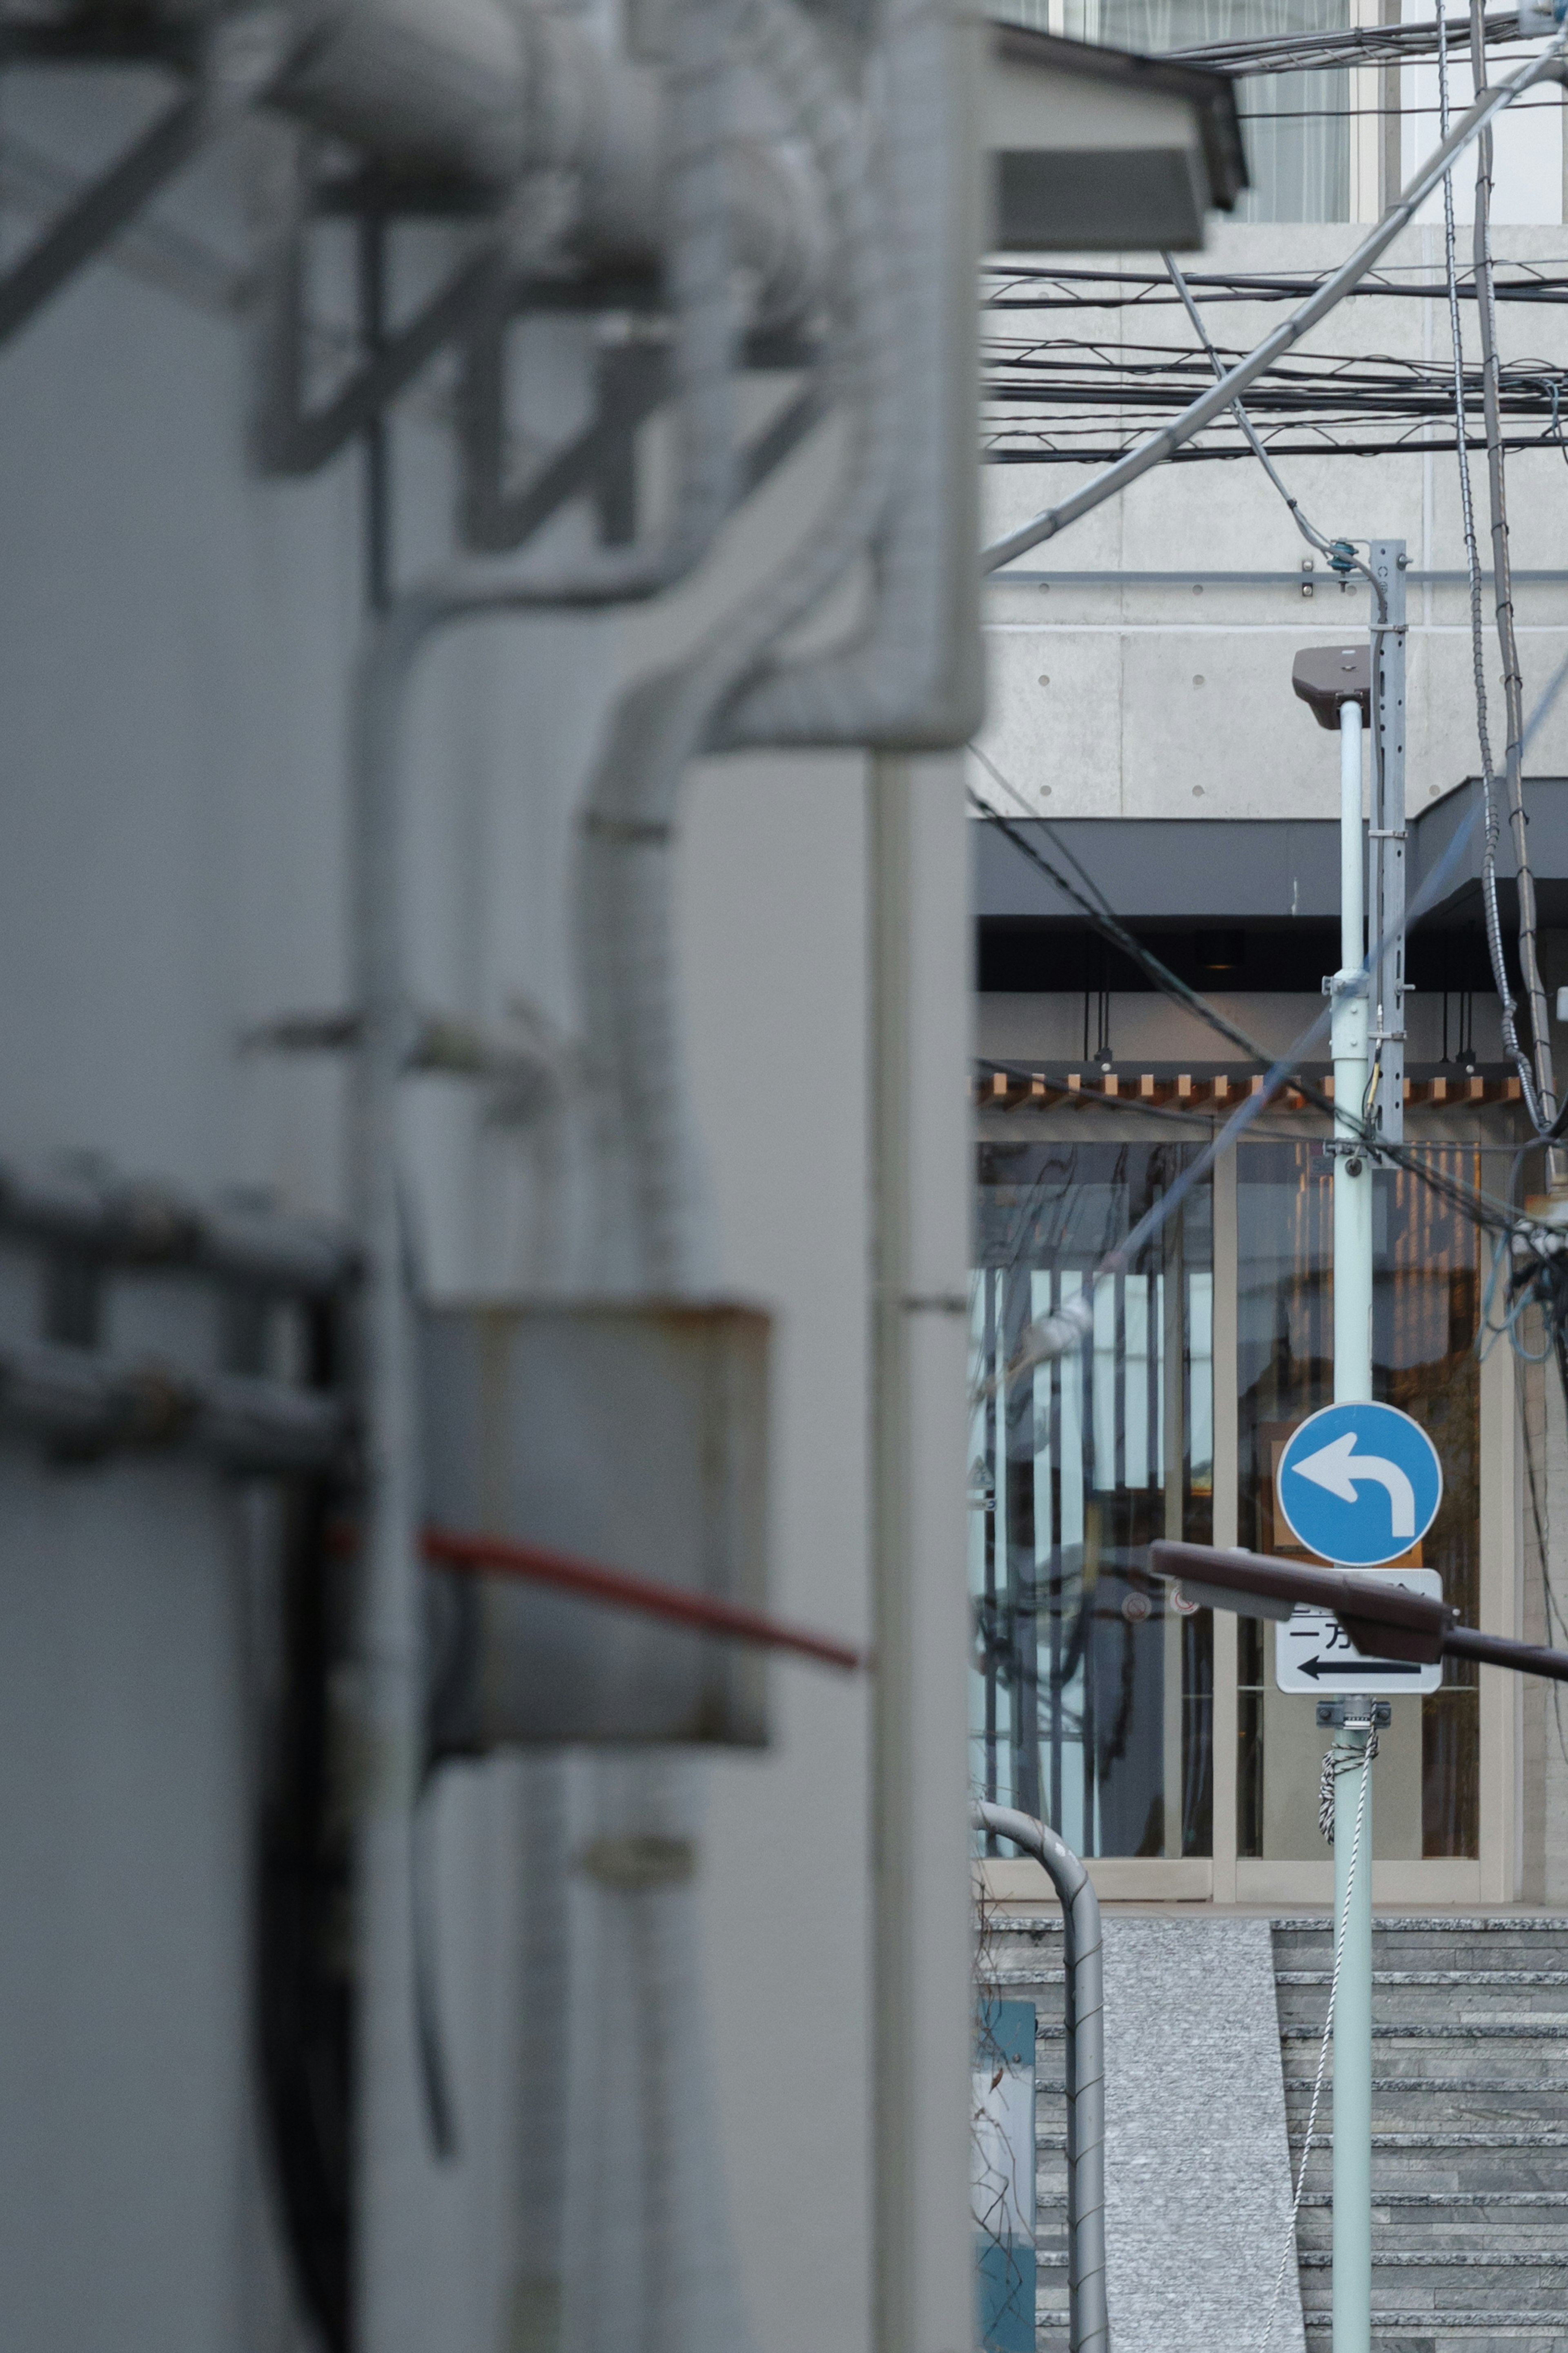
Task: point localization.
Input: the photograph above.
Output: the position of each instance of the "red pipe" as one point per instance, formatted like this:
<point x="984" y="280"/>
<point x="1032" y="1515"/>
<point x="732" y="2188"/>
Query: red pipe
<point x="501" y="1557"/>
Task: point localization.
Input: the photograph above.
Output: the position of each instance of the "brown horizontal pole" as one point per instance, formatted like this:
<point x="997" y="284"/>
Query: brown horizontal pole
<point x="1408" y="1625"/>
<point x="1496" y="1650"/>
<point x="1418" y="1621"/>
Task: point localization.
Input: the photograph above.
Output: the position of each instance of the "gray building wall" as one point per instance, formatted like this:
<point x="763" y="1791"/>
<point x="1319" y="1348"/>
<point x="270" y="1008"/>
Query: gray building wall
<point x="1171" y="701"/>
<point x="173" y="667"/>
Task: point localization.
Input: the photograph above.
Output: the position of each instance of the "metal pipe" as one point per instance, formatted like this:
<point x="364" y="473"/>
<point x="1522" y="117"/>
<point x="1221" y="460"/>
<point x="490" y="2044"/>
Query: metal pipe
<point x="121" y="1223"/>
<point x="1352" y="1169"/>
<point x="1496" y="1650"/>
<point x="910" y="677"/>
<point x="389" y="1662"/>
<point x="1352" y="1382"/>
<point x="483" y="92"/>
<point x="389" y="1689"/>
<point x="87" y="1404"/>
<point x="1550" y="65"/>
<point x="477" y="1554"/>
<point x="629" y="817"/>
<point x="1089" y="2329"/>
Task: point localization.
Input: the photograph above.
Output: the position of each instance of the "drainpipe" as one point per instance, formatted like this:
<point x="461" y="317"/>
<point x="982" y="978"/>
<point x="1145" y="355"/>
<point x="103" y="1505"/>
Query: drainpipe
<point x="912" y="679"/>
<point x="930" y="2258"/>
<point x="1088" y="2330"/>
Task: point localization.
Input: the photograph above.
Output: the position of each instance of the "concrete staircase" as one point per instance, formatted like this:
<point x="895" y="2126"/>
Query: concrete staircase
<point x="1469" y="2121"/>
<point x="1470" y="2128"/>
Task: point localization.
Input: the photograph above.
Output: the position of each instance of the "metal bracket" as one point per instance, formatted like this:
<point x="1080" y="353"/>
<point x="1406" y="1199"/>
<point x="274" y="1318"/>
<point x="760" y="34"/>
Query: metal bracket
<point x="473" y="310"/>
<point x="243" y="59"/>
<point x="632" y="381"/>
<point x="1332" y="1712"/>
<point x="291" y="437"/>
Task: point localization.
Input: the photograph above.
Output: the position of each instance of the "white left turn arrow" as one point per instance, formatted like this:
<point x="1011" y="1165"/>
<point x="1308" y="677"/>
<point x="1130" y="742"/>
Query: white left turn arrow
<point x="1338" y="1466"/>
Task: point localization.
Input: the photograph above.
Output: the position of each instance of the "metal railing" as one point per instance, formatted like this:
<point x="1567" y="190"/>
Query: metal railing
<point x="1089" y="2329"/>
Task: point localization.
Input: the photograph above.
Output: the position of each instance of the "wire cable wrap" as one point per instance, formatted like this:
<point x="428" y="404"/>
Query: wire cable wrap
<point x="1361" y="1764"/>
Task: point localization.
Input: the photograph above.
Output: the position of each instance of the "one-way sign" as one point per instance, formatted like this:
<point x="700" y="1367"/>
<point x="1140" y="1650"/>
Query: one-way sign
<point x="1313" y="1653"/>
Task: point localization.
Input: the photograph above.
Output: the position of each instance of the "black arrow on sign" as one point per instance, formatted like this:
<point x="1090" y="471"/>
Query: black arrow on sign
<point x="1318" y="1667"/>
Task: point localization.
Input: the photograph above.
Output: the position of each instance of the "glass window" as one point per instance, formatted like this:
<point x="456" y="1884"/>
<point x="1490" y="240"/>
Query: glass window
<point x="1294" y="126"/>
<point x="1092" y="1700"/>
<point x="1425" y="1294"/>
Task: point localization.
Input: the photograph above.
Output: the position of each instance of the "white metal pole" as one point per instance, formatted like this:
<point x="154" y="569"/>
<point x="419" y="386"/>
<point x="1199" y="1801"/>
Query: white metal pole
<point x="1353" y="2033"/>
<point x="925" y="2296"/>
<point x="389" y="2142"/>
<point x="1352" y="1169"/>
<point x="1352" y="1383"/>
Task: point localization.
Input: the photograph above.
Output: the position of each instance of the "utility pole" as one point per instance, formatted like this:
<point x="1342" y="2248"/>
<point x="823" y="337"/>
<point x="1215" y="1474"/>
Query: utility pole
<point x="1352" y="687"/>
<point x="1352" y="1383"/>
<point x="1349" y="1034"/>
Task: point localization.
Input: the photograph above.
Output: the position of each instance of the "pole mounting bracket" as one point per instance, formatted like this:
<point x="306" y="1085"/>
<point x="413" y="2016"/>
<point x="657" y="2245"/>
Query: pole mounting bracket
<point x="233" y="70"/>
<point x="1331" y="1713"/>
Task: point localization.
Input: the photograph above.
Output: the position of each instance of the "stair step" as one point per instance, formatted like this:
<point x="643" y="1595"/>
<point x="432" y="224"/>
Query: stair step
<point x="1470" y="2259"/>
<point x="1433" y="1924"/>
<point x="1550" y="2139"/>
<point x="1432" y="1977"/>
<point x="1447" y="2199"/>
<point x="1547" y="2330"/>
<point x="1454" y="2323"/>
<point x="1470" y="2086"/>
<point x="1446" y="2247"/>
<point x="1549" y="2029"/>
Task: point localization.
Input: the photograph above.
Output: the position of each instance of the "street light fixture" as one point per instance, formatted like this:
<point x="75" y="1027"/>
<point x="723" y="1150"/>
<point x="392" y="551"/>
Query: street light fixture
<point x="1383" y="1620"/>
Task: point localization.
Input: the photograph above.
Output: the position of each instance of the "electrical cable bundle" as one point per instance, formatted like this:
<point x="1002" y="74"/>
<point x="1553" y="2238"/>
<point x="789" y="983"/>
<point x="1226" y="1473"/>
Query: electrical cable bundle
<point x="1066" y="399"/>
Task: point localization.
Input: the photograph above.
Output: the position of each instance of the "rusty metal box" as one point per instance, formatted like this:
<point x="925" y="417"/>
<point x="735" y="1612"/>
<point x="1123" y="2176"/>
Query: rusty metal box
<point x="633" y="1436"/>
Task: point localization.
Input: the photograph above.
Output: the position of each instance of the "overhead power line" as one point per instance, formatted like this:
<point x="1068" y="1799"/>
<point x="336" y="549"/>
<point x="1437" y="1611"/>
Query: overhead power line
<point x="1359" y="45"/>
<point x="1051" y="399"/>
<point x="1029" y="288"/>
<point x="1202" y="412"/>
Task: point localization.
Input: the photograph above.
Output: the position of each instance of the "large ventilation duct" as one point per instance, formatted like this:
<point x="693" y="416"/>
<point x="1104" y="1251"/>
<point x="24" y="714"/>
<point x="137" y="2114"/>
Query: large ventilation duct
<point x="483" y="95"/>
<point x="433" y="86"/>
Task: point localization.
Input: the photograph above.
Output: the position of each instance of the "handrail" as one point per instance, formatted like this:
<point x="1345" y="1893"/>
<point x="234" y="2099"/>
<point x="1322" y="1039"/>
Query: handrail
<point x="1089" y="2329"/>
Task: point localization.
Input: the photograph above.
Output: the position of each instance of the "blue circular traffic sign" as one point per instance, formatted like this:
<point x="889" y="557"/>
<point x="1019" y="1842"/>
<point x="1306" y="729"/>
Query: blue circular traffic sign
<point x="1359" y="1484"/>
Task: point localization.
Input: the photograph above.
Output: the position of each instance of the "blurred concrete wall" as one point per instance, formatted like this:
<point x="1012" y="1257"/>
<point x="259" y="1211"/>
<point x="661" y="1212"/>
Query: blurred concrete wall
<point x="173" y="669"/>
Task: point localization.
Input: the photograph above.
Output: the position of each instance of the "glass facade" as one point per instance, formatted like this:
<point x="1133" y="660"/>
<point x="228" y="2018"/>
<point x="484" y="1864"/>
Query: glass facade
<point x="1092" y="1696"/>
<point x="1425" y="1297"/>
